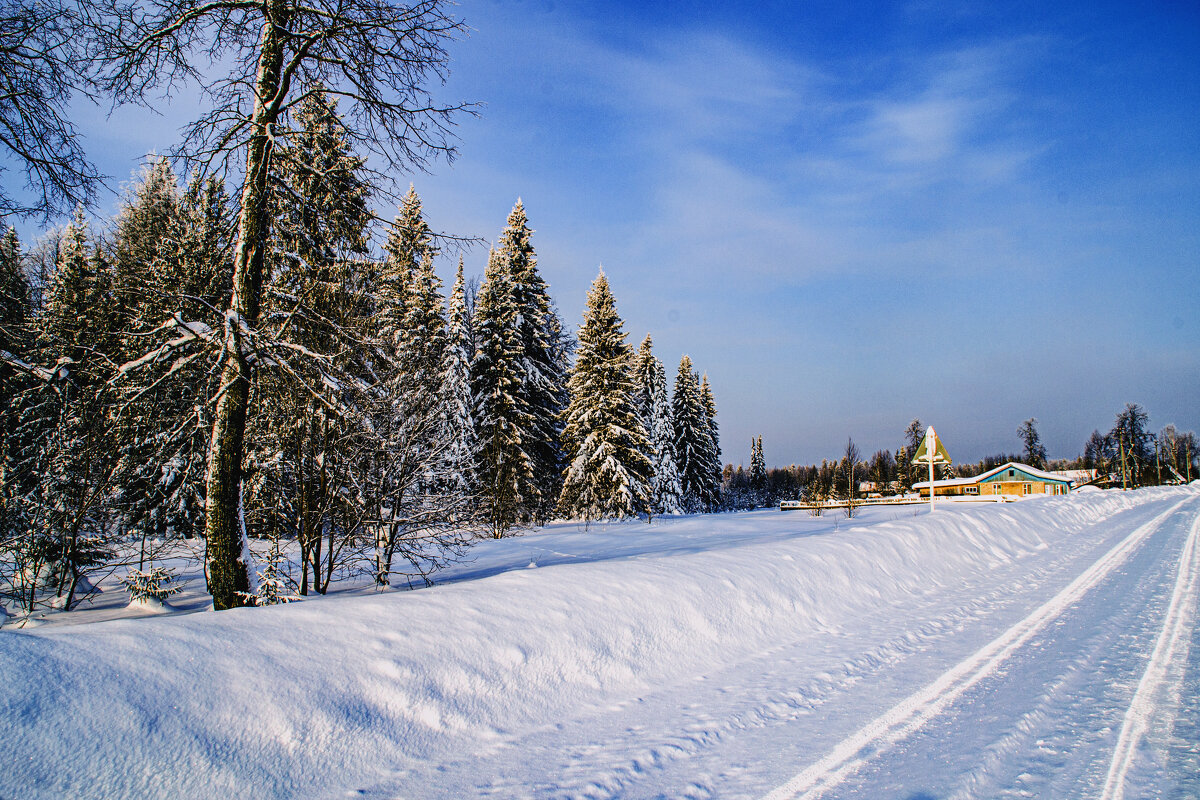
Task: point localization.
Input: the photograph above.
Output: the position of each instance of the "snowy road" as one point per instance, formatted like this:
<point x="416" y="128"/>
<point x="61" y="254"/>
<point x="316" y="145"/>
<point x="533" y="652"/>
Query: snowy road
<point x="1079" y="680"/>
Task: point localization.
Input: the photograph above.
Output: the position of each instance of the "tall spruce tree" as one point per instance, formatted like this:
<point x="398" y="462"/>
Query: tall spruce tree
<point x="456" y="389"/>
<point x="420" y="497"/>
<point x="14" y="294"/>
<point x="143" y="228"/>
<point x="166" y="421"/>
<point x="543" y="364"/>
<point x="191" y="273"/>
<point x="144" y="225"/>
<point x="306" y="419"/>
<point x="1035" y="451"/>
<point x="608" y="472"/>
<point x="505" y="469"/>
<point x="15" y="309"/>
<point x="74" y="467"/>
<point x="712" y="447"/>
<point x="758" y="467"/>
<point x="409" y="238"/>
<point x="77" y="293"/>
<point x="693" y="437"/>
<point x="655" y="410"/>
<point x="423" y="339"/>
<point x="643" y="377"/>
<point x="15" y="315"/>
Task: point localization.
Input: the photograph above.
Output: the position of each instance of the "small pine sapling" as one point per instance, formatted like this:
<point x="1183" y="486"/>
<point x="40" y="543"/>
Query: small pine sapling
<point x="273" y="583"/>
<point x="156" y="583"/>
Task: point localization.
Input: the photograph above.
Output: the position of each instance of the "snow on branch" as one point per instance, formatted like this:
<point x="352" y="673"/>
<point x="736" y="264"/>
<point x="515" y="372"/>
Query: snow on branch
<point x="191" y="332"/>
<point x="60" y="371"/>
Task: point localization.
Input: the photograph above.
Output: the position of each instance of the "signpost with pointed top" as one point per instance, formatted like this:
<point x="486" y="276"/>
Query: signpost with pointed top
<point x="931" y="452"/>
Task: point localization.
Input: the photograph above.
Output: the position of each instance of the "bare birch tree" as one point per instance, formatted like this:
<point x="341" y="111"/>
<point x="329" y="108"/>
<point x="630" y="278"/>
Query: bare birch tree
<point x="376" y="56"/>
<point x="41" y="68"/>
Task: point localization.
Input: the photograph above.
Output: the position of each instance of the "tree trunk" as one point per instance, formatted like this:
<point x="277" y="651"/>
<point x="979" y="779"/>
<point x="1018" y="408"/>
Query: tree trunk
<point x="228" y="574"/>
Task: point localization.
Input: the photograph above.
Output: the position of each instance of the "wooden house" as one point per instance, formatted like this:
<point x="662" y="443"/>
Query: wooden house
<point x="1008" y="481"/>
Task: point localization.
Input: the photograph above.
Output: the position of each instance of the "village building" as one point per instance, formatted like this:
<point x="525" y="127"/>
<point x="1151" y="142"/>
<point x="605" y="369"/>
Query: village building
<point x="1008" y="481"/>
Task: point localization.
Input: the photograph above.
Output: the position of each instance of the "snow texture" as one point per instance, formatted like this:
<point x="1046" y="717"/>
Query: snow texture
<point x="720" y="655"/>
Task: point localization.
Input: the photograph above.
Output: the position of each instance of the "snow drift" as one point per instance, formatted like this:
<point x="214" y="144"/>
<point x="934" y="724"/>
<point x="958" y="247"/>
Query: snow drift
<point x="315" y="698"/>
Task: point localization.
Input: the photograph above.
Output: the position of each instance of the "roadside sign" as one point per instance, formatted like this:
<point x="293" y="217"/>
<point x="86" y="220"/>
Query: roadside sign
<point x="931" y="452"/>
<point x="931" y="443"/>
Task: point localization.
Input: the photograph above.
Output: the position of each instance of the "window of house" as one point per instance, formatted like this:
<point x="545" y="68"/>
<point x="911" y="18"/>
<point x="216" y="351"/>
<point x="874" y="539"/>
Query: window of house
<point x="1026" y="488"/>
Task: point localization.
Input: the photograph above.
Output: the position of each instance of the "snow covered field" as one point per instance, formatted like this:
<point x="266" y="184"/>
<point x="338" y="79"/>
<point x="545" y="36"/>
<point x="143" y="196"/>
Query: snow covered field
<point x="1048" y="648"/>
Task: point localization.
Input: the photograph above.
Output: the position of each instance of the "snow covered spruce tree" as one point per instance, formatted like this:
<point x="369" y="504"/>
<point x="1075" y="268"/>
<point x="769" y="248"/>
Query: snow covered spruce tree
<point x="712" y="450"/>
<point x="423" y="340"/>
<point x="518" y="380"/>
<point x="692" y="437"/>
<point x="456" y="390"/>
<point x="189" y="279"/>
<point x="156" y="420"/>
<point x="608" y="472"/>
<point x="1035" y="451"/>
<point x="544" y="353"/>
<point x="409" y="237"/>
<point x="15" y="343"/>
<point x="69" y="457"/>
<point x="375" y="54"/>
<point x="15" y="313"/>
<point x="146" y="220"/>
<point x="758" y="471"/>
<point x="303" y="432"/>
<point x="503" y="467"/>
<point x="418" y="503"/>
<point x="665" y="492"/>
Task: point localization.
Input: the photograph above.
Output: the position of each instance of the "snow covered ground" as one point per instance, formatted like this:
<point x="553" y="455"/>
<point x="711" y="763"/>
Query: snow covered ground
<point x="1048" y="648"/>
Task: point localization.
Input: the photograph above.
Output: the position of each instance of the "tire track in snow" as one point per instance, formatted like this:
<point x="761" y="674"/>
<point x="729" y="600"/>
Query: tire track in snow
<point x="1171" y="646"/>
<point x="914" y="711"/>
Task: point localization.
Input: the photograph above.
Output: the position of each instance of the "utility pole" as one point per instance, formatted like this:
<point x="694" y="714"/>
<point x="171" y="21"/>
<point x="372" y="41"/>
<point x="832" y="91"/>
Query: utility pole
<point x="1121" y="449"/>
<point x="1157" y="465"/>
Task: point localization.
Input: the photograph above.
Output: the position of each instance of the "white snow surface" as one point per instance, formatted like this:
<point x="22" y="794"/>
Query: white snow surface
<point x="704" y="656"/>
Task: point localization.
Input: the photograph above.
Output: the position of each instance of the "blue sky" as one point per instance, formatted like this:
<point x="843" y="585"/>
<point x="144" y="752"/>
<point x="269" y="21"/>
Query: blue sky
<point x="849" y="215"/>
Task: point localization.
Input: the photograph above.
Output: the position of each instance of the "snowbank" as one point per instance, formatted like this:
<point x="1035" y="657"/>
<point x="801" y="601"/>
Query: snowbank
<point x="314" y="698"/>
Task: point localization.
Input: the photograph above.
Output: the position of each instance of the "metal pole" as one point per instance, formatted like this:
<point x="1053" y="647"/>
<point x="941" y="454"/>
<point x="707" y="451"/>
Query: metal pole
<point x="1123" y="475"/>
<point x="1157" y="463"/>
<point x="932" y="450"/>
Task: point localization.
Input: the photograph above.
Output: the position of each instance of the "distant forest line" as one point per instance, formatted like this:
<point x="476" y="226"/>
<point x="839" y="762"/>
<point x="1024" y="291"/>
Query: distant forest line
<point x="1128" y="454"/>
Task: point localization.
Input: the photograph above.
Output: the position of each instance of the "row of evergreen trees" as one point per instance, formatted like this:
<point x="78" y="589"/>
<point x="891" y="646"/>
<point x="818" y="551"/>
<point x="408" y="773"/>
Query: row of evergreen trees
<point x="626" y="448"/>
<point x="388" y="423"/>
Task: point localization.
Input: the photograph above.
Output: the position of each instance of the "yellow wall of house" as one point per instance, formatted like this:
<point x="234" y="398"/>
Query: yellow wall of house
<point x="992" y="488"/>
<point x="1021" y="488"/>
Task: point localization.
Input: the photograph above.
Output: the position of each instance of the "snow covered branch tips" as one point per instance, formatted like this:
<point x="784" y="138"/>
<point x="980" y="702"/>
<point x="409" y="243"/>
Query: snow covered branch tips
<point x="605" y="441"/>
